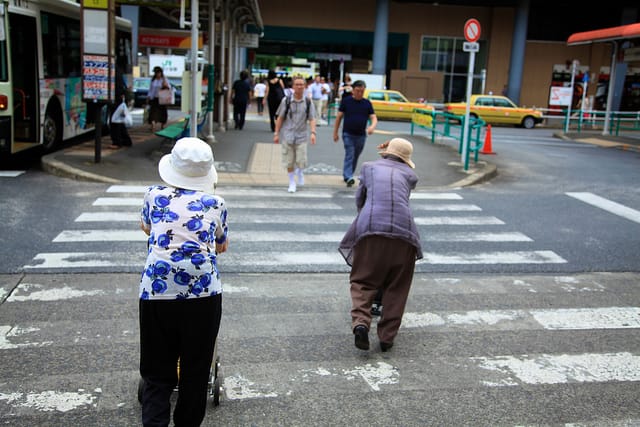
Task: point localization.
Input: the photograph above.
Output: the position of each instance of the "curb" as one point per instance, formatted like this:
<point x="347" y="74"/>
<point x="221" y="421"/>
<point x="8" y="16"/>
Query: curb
<point x="51" y="165"/>
<point x="487" y="172"/>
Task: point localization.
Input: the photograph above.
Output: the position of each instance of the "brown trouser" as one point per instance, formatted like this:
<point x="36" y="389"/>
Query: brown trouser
<point x="381" y="263"/>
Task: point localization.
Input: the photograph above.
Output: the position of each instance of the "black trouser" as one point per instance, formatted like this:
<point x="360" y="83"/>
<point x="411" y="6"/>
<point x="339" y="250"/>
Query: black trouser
<point x="239" y="113"/>
<point x="119" y="134"/>
<point x="173" y="330"/>
<point x="273" y="105"/>
<point x="260" y="104"/>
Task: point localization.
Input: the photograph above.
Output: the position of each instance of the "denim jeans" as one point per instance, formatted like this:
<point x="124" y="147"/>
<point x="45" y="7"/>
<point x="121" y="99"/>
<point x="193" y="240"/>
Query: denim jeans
<point x="353" y="146"/>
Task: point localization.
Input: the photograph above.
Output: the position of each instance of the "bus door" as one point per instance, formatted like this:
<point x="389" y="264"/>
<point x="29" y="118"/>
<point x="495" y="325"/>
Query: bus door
<point x="24" y="76"/>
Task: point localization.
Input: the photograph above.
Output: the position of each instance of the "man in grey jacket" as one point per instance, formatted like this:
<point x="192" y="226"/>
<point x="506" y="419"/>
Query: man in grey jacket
<point x="382" y="244"/>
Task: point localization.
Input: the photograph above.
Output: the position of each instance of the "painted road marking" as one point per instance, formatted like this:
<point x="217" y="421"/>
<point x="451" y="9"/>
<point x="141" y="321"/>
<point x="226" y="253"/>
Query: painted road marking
<point x="607" y="205"/>
<point x="563" y="368"/>
<point x="515" y="257"/>
<point x="253" y="259"/>
<point x="108" y="217"/>
<point x="266" y="192"/>
<point x="240" y="204"/>
<point x="101" y="236"/>
<point x="10" y="174"/>
<point x="549" y="319"/>
<point x="49" y="401"/>
<point x="135" y="235"/>
<point x="301" y="219"/>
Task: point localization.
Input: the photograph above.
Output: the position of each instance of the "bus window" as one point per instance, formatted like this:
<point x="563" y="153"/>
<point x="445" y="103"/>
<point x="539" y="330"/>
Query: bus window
<point x="4" y="75"/>
<point x="61" y="46"/>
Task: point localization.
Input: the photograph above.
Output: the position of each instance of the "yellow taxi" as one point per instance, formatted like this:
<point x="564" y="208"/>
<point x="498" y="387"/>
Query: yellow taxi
<point x="391" y="104"/>
<point x="496" y="109"/>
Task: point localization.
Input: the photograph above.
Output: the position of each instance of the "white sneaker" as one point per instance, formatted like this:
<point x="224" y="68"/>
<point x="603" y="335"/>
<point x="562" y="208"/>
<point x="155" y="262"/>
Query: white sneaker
<point x="292" y="188"/>
<point x="300" y="180"/>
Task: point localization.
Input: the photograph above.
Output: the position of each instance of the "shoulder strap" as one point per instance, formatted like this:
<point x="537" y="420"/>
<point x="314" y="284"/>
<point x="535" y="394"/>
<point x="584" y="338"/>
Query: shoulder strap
<point x="308" y="101"/>
<point x="288" y="104"/>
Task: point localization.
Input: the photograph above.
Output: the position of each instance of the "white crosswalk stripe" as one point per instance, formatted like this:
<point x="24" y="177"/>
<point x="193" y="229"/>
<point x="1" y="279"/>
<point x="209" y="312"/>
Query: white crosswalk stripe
<point x="514" y="354"/>
<point x="10" y="174"/>
<point x="314" y="221"/>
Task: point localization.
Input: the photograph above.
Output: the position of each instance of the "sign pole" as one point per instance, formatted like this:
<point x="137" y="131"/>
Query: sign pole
<point x="97" y="47"/>
<point x="472" y="35"/>
<point x="465" y="130"/>
<point x="573" y="77"/>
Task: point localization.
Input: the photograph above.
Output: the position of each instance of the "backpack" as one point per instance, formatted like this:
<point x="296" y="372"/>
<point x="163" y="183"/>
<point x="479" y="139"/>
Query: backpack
<point x="288" y="105"/>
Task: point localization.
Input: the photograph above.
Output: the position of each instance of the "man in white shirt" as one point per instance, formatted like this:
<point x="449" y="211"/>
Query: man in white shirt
<point x="326" y="91"/>
<point x="258" y="91"/>
<point x="316" y="94"/>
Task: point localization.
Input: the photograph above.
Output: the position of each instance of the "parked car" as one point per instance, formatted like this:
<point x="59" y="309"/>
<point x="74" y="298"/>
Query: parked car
<point x="391" y="104"/>
<point x="141" y="89"/>
<point x="496" y="109"/>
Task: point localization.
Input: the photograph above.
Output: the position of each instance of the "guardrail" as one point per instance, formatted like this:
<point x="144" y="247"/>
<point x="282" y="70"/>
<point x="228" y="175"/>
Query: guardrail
<point x="580" y="120"/>
<point x="450" y="126"/>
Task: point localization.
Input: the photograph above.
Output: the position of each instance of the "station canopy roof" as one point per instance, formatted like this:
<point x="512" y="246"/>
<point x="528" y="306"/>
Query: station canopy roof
<point x="623" y="32"/>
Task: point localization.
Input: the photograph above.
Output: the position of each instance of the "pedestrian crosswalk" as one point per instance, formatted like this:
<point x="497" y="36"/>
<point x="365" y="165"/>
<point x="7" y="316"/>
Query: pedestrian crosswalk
<point x="473" y="349"/>
<point x="273" y="230"/>
<point x="481" y="350"/>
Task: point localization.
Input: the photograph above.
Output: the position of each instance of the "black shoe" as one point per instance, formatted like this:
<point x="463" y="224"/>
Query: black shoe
<point x="384" y="346"/>
<point x="350" y="182"/>
<point x="362" y="337"/>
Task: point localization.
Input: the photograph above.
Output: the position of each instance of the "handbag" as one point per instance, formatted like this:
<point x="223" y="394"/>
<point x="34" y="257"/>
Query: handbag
<point x="166" y="97"/>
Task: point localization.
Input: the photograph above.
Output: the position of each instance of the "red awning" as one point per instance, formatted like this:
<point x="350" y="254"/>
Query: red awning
<point x="631" y="31"/>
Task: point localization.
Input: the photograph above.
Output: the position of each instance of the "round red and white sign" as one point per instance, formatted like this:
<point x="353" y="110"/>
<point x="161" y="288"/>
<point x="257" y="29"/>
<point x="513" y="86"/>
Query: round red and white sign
<point x="472" y="30"/>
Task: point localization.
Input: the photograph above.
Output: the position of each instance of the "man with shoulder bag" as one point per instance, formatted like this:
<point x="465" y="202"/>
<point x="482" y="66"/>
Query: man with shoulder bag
<point x="291" y="129"/>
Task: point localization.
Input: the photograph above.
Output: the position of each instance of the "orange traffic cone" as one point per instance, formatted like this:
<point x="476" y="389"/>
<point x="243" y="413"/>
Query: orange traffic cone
<point x="486" y="147"/>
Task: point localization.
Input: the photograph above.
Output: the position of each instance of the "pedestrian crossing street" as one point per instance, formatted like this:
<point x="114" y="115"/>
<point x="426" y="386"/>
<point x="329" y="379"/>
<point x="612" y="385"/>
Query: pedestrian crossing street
<point x="508" y="350"/>
<point x="273" y="230"/>
<point x="473" y="349"/>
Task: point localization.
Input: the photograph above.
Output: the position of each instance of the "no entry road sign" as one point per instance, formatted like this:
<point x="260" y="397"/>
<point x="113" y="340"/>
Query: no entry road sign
<point x="472" y="30"/>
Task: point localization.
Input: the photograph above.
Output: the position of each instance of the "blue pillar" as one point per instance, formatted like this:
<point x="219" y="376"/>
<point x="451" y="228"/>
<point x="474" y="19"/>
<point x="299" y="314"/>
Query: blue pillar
<point x="380" y="37"/>
<point x="516" y="66"/>
<point x="131" y="13"/>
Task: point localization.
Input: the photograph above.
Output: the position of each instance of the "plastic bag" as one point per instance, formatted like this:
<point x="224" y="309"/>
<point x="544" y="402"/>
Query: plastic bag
<point x="128" y="118"/>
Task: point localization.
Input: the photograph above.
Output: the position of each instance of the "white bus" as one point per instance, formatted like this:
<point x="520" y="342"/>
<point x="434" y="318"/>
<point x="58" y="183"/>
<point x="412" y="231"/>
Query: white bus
<point x="40" y="74"/>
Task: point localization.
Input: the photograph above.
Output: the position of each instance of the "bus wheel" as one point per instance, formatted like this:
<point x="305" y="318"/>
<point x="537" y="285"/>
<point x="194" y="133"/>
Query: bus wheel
<point x="51" y="131"/>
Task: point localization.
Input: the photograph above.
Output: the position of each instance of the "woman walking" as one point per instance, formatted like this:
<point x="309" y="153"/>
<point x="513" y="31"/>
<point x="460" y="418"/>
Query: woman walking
<point x="273" y="96"/>
<point x="180" y="296"/>
<point x="157" y="112"/>
<point x="382" y="244"/>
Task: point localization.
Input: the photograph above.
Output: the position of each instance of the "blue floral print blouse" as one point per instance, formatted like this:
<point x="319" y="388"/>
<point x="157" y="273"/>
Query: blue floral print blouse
<point x="181" y="261"/>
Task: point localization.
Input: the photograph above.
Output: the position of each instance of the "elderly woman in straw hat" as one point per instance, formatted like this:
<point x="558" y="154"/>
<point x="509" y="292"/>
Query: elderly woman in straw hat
<point x="180" y="289"/>
<point x="382" y="244"/>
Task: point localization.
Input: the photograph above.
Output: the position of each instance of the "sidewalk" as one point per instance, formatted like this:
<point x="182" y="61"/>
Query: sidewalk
<point x="249" y="157"/>
<point x="626" y="141"/>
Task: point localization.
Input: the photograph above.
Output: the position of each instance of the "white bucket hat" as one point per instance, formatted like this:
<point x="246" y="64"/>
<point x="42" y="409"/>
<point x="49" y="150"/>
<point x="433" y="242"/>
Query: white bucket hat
<point x="401" y="148"/>
<point x="189" y="166"/>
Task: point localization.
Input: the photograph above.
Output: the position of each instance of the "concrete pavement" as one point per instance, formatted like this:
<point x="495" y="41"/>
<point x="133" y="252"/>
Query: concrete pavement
<point x="249" y="157"/>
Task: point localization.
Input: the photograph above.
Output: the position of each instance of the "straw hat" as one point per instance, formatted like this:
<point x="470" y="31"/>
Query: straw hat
<point x="400" y="148"/>
<point x="189" y="166"/>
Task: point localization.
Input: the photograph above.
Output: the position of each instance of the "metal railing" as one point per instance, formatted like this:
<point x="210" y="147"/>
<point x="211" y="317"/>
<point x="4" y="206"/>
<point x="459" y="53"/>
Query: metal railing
<point x="450" y="126"/>
<point x="580" y="120"/>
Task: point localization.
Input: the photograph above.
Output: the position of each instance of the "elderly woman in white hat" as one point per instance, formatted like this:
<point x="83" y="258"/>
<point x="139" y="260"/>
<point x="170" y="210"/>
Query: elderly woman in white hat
<point x="180" y="289"/>
<point x="382" y="244"/>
